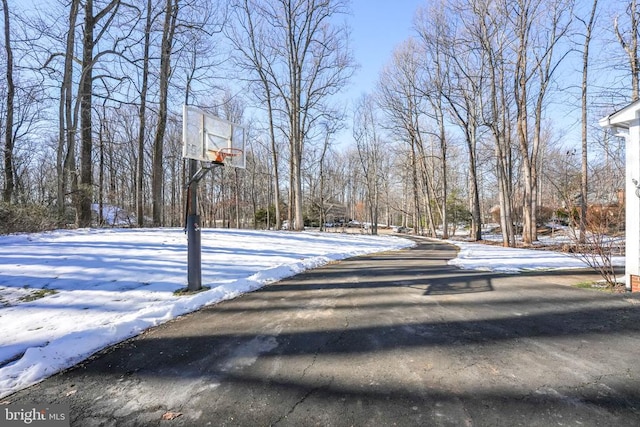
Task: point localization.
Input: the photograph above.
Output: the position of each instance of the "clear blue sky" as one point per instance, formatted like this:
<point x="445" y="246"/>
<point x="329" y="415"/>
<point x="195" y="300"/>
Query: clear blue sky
<point x="377" y="26"/>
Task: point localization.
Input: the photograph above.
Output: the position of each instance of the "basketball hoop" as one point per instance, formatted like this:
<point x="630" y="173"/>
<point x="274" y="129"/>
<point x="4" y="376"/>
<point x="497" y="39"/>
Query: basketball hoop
<point x="214" y="142"/>
<point x="220" y="155"/>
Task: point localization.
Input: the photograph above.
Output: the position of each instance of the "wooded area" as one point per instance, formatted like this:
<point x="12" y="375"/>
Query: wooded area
<point x="487" y="114"/>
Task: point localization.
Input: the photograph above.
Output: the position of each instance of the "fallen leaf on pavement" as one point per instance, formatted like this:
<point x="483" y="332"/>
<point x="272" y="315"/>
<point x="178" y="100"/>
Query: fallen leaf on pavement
<point x="171" y="415"/>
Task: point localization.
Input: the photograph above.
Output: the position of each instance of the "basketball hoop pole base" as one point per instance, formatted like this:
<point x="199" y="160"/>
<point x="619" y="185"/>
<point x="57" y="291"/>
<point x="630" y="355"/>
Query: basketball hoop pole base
<point x="194" y="238"/>
<point x="194" y="254"/>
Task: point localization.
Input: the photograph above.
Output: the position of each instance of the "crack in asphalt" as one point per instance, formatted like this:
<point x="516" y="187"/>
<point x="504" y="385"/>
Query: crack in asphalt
<point x="302" y="400"/>
<point x="326" y="344"/>
<point x="308" y="367"/>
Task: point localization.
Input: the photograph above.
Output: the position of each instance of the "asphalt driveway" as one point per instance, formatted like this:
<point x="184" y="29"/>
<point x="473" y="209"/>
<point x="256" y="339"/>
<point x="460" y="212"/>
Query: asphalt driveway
<point x="397" y="338"/>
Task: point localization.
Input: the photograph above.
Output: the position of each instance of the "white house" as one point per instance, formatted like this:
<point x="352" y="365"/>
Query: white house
<point x="626" y="122"/>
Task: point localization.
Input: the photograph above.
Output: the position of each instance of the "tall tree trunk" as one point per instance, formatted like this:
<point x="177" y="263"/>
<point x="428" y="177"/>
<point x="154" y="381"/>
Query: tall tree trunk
<point x="503" y="160"/>
<point x="8" y="137"/>
<point x="101" y="173"/>
<point x="321" y="173"/>
<point x="274" y="159"/>
<point x="430" y="202"/>
<point x="298" y="219"/>
<point x="584" y="167"/>
<point x="521" y="100"/>
<point x="476" y="220"/>
<point x="421" y="162"/>
<point x="65" y="155"/>
<point x="504" y="196"/>
<point x="417" y="217"/>
<point x="296" y="142"/>
<point x="142" y="118"/>
<point x="157" y="179"/>
<point x="85" y="94"/>
<point x="444" y="192"/>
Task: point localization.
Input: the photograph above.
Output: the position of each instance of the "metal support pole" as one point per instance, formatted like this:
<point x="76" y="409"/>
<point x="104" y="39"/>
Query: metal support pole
<point x="194" y="256"/>
<point x="194" y="245"/>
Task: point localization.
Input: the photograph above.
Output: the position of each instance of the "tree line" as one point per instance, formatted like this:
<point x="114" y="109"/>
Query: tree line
<point x="487" y="113"/>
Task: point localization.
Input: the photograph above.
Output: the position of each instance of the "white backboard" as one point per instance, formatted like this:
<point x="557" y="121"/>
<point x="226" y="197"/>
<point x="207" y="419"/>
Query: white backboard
<point x="211" y="139"/>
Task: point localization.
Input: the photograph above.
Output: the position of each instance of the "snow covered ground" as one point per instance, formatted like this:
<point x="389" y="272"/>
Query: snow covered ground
<point x="65" y="295"/>
<point x="474" y="256"/>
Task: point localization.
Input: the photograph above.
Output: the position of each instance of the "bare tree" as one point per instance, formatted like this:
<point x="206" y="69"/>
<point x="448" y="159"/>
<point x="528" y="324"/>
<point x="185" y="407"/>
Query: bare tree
<point x="310" y="62"/>
<point x="547" y="59"/>
<point x="157" y="180"/>
<point x="8" y="135"/>
<point x="487" y="25"/>
<point x="368" y="143"/>
<point x="322" y="178"/>
<point x="629" y="41"/>
<point x="67" y="118"/>
<point x="434" y="34"/>
<point x="251" y="39"/>
<point x="402" y="100"/>
<point x="85" y="94"/>
<point x="318" y="64"/>
<point x="463" y="91"/>
<point x="585" y="71"/>
<point x="142" y="116"/>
